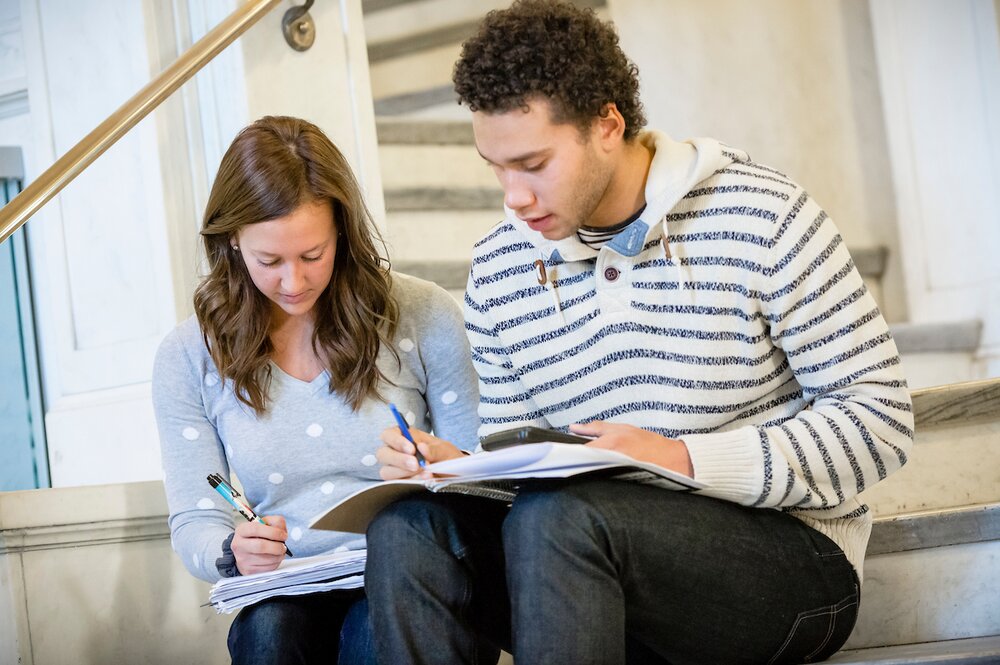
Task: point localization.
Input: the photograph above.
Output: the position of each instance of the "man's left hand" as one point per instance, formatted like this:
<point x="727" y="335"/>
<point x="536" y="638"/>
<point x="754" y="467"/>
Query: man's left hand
<point x="638" y="444"/>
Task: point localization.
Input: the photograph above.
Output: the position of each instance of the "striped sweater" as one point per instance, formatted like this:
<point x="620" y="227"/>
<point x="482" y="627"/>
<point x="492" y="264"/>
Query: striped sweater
<point x="729" y="315"/>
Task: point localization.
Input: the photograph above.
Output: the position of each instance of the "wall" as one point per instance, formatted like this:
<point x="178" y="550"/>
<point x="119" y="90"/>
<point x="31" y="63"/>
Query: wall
<point x="888" y="111"/>
<point x="99" y="583"/>
<point x="116" y="254"/>
<point x="940" y="71"/>
<point x="793" y="83"/>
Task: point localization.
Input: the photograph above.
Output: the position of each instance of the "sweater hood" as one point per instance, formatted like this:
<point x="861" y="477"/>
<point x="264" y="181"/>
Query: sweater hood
<point x="676" y="169"/>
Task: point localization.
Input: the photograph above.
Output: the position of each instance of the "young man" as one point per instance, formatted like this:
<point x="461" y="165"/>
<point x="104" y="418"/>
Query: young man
<point x="687" y="307"/>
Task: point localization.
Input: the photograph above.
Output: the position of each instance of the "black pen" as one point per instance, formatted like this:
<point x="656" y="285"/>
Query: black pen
<point x="230" y="494"/>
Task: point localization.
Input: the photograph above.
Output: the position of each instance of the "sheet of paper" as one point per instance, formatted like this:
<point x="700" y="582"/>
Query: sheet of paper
<point x="294" y="576"/>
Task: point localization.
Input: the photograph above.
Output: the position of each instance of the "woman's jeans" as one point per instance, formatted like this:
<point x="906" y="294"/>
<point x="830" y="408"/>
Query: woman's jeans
<point x="330" y="627"/>
<point x="603" y="571"/>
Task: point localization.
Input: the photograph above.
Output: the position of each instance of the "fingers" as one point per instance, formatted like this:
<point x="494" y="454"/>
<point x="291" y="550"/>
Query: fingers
<point x="260" y="547"/>
<point x="398" y="459"/>
<point x="594" y="428"/>
<point x="394" y="439"/>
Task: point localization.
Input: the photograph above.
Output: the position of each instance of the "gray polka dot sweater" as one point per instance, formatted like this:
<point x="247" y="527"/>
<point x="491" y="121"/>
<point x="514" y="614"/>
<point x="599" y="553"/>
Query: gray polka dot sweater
<point x="309" y="449"/>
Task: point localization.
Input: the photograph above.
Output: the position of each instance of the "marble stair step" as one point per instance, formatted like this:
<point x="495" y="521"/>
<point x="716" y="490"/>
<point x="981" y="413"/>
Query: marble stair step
<point x="973" y="651"/>
<point x="435" y="168"/>
<point x="956" y="456"/>
<point x="412" y="47"/>
<point x="407" y="28"/>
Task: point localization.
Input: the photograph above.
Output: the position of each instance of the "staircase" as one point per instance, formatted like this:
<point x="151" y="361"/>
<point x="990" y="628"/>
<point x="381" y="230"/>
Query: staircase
<point x="932" y="576"/>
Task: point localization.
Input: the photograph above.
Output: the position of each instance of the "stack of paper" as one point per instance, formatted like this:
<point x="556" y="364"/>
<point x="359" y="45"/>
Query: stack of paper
<point x="294" y="577"/>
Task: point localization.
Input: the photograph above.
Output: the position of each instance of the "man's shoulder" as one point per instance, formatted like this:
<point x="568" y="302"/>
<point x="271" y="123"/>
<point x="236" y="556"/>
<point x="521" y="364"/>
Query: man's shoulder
<point x="500" y="251"/>
<point x="746" y="175"/>
<point x="501" y="236"/>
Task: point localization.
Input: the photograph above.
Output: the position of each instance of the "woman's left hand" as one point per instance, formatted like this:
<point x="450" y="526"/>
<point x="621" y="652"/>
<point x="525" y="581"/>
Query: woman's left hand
<point x="638" y="444"/>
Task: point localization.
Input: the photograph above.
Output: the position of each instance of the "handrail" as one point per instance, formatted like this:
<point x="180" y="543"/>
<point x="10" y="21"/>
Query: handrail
<point x="70" y="165"/>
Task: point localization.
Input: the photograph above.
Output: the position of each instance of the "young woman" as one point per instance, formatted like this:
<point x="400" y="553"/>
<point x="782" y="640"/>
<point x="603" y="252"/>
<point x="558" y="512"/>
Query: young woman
<point x="301" y="336"/>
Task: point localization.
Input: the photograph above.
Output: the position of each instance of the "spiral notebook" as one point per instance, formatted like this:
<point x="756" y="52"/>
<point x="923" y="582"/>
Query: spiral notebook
<point x="499" y="475"/>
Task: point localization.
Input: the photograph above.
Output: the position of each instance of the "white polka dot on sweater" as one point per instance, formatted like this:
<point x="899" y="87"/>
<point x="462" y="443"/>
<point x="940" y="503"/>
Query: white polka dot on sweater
<point x="276" y="478"/>
<point x="449" y="397"/>
<point x="369" y="460"/>
<point x="211" y="380"/>
<point x="406" y="344"/>
<point x="190" y="433"/>
<point x="296" y="533"/>
<point x="342" y="548"/>
<point x="205" y="503"/>
<point x="197" y="563"/>
<point x="410" y="417"/>
<point x="326" y="488"/>
<point x="314" y="430"/>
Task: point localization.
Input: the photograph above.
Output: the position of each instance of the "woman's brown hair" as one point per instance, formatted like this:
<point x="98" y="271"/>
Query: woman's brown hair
<point x="272" y="167"/>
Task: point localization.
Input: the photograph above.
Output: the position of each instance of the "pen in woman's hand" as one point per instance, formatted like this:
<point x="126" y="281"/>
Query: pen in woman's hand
<point x="406" y="432"/>
<point x="230" y="494"/>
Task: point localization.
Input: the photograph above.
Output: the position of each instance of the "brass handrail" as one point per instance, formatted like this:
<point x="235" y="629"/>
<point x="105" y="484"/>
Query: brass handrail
<point x="67" y="167"/>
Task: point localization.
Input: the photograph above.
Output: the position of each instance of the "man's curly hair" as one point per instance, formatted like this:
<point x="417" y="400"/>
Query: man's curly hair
<point x="554" y="50"/>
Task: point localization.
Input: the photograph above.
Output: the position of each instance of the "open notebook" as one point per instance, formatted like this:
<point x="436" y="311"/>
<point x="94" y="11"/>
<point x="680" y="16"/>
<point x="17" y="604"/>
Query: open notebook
<point x="498" y="475"/>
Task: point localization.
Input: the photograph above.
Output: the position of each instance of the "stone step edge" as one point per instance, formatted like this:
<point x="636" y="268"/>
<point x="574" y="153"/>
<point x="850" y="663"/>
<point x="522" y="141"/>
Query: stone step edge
<point x="961" y="525"/>
<point x="422" y="40"/>
<point x="946" y="336"/>
<point x="965" y="402"/>
<point x="430" y="132"/>
<point x="372" y="6"/>
<point x="414" y="101"/>
<point x="430" y="199"/>
<point x="969" y="651"/>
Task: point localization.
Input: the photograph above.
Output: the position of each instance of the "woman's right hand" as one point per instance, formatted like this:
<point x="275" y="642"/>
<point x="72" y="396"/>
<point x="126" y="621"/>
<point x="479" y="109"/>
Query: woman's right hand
<point x="397" y="454"/>
<point x="258" y="547"/>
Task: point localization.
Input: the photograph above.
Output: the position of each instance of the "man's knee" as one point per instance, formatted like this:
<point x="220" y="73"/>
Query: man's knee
<point x="551" y="516"/>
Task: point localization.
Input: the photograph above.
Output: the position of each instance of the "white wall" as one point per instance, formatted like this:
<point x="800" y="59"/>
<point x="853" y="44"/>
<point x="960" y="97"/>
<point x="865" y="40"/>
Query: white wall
<point x="115" y="256"/>
<point x="793" y="83"/>
<point x="940" y="73"/>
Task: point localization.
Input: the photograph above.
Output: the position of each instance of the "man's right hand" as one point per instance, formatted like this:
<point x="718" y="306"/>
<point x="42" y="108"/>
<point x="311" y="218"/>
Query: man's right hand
<point x="397" y="454"/>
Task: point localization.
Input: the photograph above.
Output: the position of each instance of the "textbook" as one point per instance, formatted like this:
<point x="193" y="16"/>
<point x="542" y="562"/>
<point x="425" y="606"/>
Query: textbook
<point x="292" y="577"/>
<point x="498" y="475"/>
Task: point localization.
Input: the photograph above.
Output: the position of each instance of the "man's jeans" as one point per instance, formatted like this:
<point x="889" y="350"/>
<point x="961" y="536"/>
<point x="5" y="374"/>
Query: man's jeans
<point x="330" y="627"/>
<point x="603" y="571"/>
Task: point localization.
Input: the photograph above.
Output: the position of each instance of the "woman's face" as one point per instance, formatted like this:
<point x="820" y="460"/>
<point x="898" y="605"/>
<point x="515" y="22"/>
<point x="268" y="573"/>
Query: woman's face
<point x="290" y="258"/>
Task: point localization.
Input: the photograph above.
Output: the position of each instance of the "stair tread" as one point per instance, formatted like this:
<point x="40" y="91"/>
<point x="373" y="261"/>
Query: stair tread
<point x="943" y="336"/>
<point x="958" y="402"/>
<point x="958" y="525"/>
<point x="971" y="651"/>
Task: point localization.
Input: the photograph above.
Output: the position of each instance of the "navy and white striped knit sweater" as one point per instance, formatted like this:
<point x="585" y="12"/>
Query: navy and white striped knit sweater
<point x="729" y="315"/>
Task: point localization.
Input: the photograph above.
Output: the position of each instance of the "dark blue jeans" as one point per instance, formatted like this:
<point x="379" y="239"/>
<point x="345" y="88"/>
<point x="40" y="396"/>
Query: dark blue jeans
<point x="330" y="627"/>
<point x="603" y="571"/>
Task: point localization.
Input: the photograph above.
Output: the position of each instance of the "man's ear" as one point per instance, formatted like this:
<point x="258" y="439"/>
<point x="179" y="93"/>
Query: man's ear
<point x="610" y="126"/>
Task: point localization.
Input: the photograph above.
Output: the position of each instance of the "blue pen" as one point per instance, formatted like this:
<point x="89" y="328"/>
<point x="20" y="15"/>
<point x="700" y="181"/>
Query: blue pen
<point x="406" y="432"/>
<point x="230" y="494"/>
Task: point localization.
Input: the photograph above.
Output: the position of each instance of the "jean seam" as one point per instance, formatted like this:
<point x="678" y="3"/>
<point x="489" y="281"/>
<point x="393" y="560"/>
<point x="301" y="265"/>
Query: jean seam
<point x="830" y="610"/>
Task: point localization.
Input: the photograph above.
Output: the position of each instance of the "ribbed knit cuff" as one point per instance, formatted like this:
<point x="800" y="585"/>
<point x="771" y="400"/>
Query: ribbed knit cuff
<point x="730" y="463"/>
<point x="226" y="564"/>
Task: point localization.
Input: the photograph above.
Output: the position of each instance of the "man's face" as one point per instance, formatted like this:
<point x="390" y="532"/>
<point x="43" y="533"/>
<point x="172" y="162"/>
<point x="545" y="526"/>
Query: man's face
<point x="553" y="176"/>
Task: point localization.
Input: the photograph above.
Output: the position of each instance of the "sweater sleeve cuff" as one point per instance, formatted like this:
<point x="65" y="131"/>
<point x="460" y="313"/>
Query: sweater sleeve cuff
<point x="731" y="463"/>
<point x="226" y="564"/>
